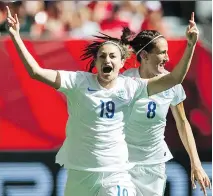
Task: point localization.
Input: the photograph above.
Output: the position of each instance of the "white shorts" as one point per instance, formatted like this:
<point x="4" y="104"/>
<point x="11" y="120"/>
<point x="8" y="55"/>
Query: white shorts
<point x="85" y="183"/>
<point x="150" y="180"/>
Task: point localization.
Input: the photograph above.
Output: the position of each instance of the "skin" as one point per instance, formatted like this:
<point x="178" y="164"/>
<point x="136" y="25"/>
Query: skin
<point x="152" y="65"/>
<point x="108" y="55"/>
<point x="185" y="132"/>
<point x="52" y="77"/>
<point x="155" y="60"/>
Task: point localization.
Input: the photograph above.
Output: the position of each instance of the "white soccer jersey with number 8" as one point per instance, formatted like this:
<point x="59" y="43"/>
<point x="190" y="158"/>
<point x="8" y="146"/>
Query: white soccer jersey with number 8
<point x="146" y="125"/>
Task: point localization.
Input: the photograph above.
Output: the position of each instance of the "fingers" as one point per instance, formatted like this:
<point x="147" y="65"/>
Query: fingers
<point x="16" y="18"/>
<point x="193" y="30"/>
<point x="8" y="12"/>
<point x="192" y="23"/>
<point x="193" y="16"/>
<point x="210" y="185"/>
<point x="192" y="20"/>
<point x="207" y="182"/>
<point x="11" y="19"/>
<point x="202" y="185"/>
<point x="193" y="181"/>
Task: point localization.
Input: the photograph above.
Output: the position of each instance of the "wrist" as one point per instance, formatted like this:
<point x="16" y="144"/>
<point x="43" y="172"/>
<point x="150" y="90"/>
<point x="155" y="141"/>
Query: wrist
<point x="195" y="164"/>
<point x="14" y="35"/>
<point x="190" y="44"/>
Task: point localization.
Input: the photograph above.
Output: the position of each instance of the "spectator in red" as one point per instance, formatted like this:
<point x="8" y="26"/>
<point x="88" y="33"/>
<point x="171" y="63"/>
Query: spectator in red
<point x="101" y="10"/>
<point x="113" y="25"/>
<point x="154" y="18"/>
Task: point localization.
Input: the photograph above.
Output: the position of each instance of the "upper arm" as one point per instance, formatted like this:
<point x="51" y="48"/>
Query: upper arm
<point x="60" y="80"/>
<point x="70" y="80"/>
<point x="160" y="83"/>
<point x="49" y="77"/>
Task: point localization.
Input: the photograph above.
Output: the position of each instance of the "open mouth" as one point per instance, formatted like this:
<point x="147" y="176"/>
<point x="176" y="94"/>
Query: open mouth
<point x="107" y="69"/>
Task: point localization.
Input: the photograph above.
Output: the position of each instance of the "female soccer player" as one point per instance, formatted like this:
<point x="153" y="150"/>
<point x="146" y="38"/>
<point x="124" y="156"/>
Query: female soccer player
<point x="94" y="151"/>
<point x="146" y="125"/>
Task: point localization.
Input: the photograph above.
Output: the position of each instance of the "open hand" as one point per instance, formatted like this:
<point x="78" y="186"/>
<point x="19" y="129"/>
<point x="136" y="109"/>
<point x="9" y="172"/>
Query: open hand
<point x="198" y="174"/>
<point x="12" y="23"/>
<point x="192" y="32"/>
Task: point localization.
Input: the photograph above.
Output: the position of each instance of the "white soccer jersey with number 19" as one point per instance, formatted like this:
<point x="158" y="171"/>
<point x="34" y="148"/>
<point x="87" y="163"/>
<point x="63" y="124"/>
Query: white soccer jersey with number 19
<point x="94" y="132"/>
<point x="146" y="125"/>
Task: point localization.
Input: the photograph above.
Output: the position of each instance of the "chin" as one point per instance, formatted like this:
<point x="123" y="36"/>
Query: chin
<point x="161" y="70"/>
<point x="106" y="78"/>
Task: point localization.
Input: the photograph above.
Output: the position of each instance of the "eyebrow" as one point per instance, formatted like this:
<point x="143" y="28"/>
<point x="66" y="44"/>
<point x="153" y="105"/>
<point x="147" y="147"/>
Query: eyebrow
<point x="106" y="53"/>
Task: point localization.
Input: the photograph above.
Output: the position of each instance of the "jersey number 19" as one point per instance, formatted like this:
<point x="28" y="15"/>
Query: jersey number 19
<point x="107" y="109"/>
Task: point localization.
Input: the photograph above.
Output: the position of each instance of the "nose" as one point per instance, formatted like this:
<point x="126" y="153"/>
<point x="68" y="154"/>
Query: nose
<point x="166" y="58"/>
<point x="107" y="59"/>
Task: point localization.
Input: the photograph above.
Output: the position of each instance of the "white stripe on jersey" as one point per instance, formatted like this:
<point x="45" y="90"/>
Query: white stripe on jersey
<point x="146" y="125"/>
<point x="95" y="138"/>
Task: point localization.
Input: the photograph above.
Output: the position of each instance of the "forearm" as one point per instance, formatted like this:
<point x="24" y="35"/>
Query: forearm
<point x="47" y="76"/>
<point x="187" y="138"/>
<point x="162" y="83"/>
<point x="29" y="62"/>
<point x="181" y="69"/>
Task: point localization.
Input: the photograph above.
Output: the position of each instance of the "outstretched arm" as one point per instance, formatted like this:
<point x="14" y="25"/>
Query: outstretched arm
<point x="159" y="84"/>
<point x="47" y="76"/>
<point x="187" y="138"/>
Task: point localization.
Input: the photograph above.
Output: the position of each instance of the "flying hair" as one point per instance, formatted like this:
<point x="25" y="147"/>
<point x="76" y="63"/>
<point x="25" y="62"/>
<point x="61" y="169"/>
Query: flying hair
<point x="91" y="50"/>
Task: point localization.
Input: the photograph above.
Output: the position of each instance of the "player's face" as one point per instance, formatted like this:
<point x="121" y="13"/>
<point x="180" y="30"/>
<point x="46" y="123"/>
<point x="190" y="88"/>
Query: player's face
<point x="109" y="62"/>
<point x="158" y="57"/>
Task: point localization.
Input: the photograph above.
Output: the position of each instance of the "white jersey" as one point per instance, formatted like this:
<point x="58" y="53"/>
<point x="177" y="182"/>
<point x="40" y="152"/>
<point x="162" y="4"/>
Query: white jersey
<point x="146" y="126"/>
<point x="95" y="140"/>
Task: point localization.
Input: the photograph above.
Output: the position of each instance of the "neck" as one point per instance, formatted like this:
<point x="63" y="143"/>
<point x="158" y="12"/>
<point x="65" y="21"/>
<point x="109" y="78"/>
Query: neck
<point x="106" y="84"/>
<point x="144" y="72"/>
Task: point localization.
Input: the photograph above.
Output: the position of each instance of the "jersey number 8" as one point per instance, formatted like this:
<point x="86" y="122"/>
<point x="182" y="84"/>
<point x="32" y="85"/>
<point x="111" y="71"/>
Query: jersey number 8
<point x="151" y="109"/>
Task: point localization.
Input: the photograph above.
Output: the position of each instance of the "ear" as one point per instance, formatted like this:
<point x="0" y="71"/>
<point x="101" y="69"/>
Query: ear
<point x="144" y="54"/>
<point x="122" y="62"/>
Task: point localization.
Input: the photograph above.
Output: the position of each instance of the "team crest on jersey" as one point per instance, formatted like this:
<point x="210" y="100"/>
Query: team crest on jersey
<point x="122" y="94"/>
<point x="166" y="93"/>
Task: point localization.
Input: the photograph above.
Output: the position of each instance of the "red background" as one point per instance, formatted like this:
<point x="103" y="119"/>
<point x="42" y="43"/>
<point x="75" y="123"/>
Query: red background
<point x="33" y="115"/>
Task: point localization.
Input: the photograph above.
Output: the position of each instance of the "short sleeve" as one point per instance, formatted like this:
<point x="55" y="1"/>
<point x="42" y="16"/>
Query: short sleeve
<point x="68" y="80"/>
<point x="179" y="95"/>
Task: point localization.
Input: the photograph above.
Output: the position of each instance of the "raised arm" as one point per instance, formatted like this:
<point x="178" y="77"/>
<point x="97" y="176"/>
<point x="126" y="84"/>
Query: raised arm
<point x="159" y="84"/>
<point x="47" y="76"/>
<point x="187" y="138"/>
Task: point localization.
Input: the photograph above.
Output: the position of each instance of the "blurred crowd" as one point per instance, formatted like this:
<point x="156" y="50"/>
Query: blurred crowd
<point x="82" y="19"/>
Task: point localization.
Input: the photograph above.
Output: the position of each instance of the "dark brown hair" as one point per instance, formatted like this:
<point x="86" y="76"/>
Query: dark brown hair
<point x="142" y="39"/>
<point x="91" y="50"/>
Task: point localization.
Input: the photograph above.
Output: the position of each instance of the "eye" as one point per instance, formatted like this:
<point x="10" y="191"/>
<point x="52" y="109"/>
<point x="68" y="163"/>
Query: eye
<point x="112" y="56"/>
<point x="163" y="52"/>
<point x="102" y="56"/>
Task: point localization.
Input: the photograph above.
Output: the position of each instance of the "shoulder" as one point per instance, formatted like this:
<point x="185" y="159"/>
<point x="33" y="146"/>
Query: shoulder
<point x="76" y="77"/>
<point x="178" y="88"/>
<point x="127" y="79"/>
<point x="133" y="83"/>
<point x="63" y="72"/>
<point x="130" y="72"/>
